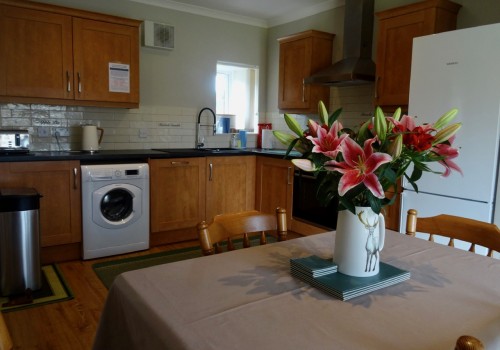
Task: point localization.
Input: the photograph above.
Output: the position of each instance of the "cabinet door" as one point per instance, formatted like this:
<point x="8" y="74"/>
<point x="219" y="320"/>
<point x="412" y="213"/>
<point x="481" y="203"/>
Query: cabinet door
<point x="36" y="58"/>
<point x="230" y="185"/>
<point x="60" y="205"/>
<point x="177" y="193"/>
<point x="97" y="45"/>
<point x="394" y="58"/>
<point x="295" y="60"/>
<point x="274" y="186"/>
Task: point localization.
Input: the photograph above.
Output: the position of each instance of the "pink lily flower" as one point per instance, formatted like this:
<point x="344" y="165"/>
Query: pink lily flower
<point x="359" y="166"/>
<point x="449" y="153"/>
<point x="327" y="141"/>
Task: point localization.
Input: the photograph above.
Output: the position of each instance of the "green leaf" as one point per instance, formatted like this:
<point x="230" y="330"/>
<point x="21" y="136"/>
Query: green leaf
<point x="334" y="116"/>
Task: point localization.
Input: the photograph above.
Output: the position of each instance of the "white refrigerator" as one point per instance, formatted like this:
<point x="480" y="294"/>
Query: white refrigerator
<point x="459" y="69"/>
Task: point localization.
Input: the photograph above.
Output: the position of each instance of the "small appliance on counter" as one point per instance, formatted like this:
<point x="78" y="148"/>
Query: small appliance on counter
<point x="14" y="141"/>
<point x="90" y="142"/>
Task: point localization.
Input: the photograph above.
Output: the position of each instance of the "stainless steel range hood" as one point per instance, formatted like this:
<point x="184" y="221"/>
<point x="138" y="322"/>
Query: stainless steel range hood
<point x="356" y="67"/>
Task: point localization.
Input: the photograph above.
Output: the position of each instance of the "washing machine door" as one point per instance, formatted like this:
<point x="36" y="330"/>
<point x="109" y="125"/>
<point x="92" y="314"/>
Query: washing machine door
<point x="116" y="206"/>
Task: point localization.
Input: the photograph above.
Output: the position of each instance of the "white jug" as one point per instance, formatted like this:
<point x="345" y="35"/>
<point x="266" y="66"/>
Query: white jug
<point x="358" y="241"/>
<point x="90" y="142"/>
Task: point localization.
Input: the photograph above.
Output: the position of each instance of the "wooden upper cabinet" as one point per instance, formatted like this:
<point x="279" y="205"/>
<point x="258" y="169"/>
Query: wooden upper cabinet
<point x="397" y="28"/>
<point x="300" y="56"/>
<point x="97" y="47"/>
<point x="56" y="55"/>
<point x="36" y="57"/>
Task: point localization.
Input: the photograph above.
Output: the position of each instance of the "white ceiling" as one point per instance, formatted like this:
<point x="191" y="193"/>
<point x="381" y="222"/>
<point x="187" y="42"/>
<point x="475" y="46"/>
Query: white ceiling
<point x="263" y="13"/>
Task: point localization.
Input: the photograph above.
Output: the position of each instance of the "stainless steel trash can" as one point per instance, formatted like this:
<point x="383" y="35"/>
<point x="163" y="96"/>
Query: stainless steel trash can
<point x="19" y="241"/>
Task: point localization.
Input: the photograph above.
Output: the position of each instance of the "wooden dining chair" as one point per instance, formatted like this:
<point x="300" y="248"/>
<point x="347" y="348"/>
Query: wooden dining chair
<point x="455" y="227"/>
<point x="468" y="342"/>
<point x="227" y="227"/>
<point x="5" y="339"/>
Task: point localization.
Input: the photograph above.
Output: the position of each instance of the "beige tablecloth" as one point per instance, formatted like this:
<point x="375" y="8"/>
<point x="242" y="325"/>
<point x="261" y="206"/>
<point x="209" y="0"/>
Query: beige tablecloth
<point x="247" y="299"/>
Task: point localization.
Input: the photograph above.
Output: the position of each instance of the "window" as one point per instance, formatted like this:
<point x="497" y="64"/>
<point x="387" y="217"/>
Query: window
<point x="237" y="91"/>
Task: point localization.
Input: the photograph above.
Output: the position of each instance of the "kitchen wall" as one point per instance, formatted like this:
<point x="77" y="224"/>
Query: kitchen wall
<point x="176" y="84"/>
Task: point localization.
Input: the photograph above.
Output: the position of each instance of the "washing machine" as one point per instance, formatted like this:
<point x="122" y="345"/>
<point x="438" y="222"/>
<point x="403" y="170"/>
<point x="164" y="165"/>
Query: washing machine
<point x="115" y="209"/>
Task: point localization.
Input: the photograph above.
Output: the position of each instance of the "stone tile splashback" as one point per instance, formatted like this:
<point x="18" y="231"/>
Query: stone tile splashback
<point x="54" y="128"/>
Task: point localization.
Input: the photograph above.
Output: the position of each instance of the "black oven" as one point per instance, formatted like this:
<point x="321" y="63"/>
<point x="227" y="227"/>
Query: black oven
<point x="306" y="206"/>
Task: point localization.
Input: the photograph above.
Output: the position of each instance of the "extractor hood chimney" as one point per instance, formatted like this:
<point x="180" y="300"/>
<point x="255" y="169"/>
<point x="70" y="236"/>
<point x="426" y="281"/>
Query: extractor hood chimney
<point x="356" y="67"/>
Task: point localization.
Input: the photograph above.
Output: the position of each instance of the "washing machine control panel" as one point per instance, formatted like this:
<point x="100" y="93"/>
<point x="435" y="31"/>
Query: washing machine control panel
<point x="114" y="172"/>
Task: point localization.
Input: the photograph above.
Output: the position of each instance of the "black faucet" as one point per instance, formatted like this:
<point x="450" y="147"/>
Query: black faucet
<point x="198" y="143"/>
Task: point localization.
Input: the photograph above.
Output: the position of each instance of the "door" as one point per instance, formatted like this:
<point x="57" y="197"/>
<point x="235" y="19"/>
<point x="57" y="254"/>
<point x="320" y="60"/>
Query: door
<point x="116" y="206"/>
<point x="274" y="186"/>
<point x="177" y="193"/>
<point x="230" y="185"/>
<point x="106" y="57"/>
<point x="36" y="58"/>
<point x="463" y="77"/>
<point x="60" y="205"/>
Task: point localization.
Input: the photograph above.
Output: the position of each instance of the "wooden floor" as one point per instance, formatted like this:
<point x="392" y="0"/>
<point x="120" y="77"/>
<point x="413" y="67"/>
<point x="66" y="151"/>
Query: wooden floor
<point x="71" y="325"/>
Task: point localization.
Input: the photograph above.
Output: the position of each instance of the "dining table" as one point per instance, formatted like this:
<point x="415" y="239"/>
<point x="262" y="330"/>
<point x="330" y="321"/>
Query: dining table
<point x="248" y="299"/>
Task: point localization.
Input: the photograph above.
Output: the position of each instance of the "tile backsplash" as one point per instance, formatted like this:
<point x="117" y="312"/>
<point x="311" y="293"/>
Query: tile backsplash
<point x="54" y="128"/>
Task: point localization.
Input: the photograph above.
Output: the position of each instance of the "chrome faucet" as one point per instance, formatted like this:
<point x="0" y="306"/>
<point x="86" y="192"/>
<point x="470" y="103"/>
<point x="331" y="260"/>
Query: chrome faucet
<point x="200" y="144"/>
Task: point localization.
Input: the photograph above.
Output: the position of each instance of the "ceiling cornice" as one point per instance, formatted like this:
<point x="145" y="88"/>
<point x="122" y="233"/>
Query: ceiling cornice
<point x="278" y="20"/>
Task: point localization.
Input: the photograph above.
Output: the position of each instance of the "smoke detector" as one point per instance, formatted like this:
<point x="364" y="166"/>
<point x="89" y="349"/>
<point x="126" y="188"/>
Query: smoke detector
<point x="157" y="35"/>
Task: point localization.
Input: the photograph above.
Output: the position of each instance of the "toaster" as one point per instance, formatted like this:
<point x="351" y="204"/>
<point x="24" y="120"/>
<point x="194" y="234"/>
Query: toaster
<point x="14" y="141"/>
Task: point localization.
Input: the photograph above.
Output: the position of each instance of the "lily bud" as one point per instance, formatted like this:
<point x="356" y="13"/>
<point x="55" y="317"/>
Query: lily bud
<point x="284" y="138"/>
<point x="446" y="118"/>
<point x="304" y="164"/>
<point x="323" y="113"/>
<point x="396" y="146"/>
<point x="445" y="134"/>
<point x="380" y="124"/>
<point x="397" y="114"/>
<point x="293" y="125"/>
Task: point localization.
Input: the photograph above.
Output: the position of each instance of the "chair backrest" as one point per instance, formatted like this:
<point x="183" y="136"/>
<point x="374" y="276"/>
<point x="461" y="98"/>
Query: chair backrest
<point x="467" y="342"/>
<point x="5" y="339"/>
<point x="226" y="227"/>
<point x="455" y="227"/>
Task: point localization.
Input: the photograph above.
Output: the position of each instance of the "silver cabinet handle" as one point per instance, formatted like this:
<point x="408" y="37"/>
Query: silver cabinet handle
<point x="180" y="163"/>
<point x="210" y="173"/>
<point x="75" y="178"/>
<point x="288" y="176"/>
<point x="69" y="82"/>
<point x="79" y="82"/>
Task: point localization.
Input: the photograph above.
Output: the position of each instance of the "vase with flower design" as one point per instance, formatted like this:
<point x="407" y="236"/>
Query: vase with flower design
<point x="359" y="238"/>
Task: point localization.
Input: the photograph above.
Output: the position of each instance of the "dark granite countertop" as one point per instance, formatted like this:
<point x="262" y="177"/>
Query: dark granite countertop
<point x="135" y="154"/>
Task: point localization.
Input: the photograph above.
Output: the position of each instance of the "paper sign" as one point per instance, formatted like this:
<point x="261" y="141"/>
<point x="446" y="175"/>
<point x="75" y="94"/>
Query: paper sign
<point x="119" y="77"/>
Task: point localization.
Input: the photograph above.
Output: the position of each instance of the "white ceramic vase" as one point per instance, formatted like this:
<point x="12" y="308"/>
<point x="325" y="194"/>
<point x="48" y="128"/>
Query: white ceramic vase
<point x="358" y="241"/>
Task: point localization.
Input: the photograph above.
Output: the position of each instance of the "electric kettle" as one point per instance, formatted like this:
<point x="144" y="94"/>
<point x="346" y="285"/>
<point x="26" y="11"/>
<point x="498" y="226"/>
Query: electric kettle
<point x="90" y="142"/>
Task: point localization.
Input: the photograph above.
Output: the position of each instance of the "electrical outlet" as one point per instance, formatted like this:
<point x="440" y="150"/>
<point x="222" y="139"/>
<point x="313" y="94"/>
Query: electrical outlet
<point x="143" y="133"/>
<point x="43" y="131"/>
<point x="63" y="132"/>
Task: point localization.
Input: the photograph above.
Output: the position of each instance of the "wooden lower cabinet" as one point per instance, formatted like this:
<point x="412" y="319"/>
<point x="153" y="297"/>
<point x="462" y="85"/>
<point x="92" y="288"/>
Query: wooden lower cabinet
<point x="274" y="186"/>
<point x="177" y="198"/>
<point x="58" y="182"/>
<point x="230" y="185"/>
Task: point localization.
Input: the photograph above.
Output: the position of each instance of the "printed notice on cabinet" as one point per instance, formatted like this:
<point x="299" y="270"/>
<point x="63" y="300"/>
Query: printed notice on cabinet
<point x="119" y="77"/>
